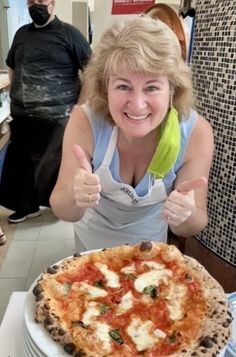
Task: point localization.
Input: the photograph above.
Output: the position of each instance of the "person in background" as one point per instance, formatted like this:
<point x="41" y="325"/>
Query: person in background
<point x="3" y="237"/>
<point x="45" y="60"/>
<point x="136" y="156"/>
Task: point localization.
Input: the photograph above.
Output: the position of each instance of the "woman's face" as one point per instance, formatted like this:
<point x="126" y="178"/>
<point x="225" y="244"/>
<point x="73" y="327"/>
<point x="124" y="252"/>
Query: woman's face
<point x="137" y="102"/>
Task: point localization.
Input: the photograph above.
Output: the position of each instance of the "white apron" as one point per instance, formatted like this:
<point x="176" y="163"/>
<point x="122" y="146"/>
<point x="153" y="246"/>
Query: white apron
<point x="121" y="216"/>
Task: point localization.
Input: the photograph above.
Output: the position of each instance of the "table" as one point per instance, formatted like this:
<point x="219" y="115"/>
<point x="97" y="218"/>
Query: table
<point x="11" y="329"/>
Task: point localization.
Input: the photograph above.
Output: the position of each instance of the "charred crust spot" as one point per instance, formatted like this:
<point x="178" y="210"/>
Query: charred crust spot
<point x="188" y="277"/>
<point x="78" y="323"/>
<point x="37" y="290"/>
<point x="207" y="342"/>
<point x="146" y="245"/>
<point x="194" y="354"/>
<point x="77" y="255"/>
<point x="51" y="270"/>
<point x="104" y="249"/>
<point x="39" y="297"/>
<point x="221" y="302"/>
<point x="70" y="348"/>
<point x="226" y="323"/>
<point x="80" y="353"/>
<point x="56" y="267"/>
<point x="229" y="313"/>
<point x="48" y="321"/>
<point x="46" y="307"/>
<point x="61" y="332"/>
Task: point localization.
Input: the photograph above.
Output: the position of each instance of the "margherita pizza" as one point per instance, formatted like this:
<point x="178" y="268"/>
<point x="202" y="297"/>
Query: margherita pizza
<point x="144" y="300"/>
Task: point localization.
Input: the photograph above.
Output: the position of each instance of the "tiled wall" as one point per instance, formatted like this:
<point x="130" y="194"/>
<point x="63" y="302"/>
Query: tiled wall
<point x="214" y="75"/>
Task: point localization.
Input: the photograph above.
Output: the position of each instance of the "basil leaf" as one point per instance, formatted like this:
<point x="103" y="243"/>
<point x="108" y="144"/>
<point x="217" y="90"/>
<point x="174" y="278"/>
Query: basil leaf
<point x="151" y="290"/>
<point x="66" y="288"/>
<point x="115" y="334"/>
<point x="173" y="337"/>
<point x="104" y="308"/>
<point x="99" y="284"/>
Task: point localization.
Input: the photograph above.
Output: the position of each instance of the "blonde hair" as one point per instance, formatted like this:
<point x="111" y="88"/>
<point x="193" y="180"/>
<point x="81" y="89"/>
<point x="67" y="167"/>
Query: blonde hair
<point x="144" y="45"/>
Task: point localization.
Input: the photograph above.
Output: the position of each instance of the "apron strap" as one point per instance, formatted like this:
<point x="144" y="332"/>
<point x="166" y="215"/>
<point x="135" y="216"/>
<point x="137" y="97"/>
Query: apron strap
<point x="111" y="147"/>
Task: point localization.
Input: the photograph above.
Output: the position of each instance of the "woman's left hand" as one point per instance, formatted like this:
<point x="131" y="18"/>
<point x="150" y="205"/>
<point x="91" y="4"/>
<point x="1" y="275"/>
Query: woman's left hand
<point x="180" y="204"/>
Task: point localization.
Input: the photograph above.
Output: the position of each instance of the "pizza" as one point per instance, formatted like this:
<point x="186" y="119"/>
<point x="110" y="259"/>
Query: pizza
<point x="142" y="300"/>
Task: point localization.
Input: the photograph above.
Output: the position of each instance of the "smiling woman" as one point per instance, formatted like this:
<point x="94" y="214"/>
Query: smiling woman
<point x="136" y="147"/>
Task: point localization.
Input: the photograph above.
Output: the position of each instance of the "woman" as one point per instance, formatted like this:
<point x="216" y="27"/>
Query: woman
<point x="136" y="157"/>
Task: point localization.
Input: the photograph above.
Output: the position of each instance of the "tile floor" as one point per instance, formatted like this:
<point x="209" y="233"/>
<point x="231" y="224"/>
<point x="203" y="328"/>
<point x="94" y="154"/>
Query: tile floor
<point x="36" y="244"/>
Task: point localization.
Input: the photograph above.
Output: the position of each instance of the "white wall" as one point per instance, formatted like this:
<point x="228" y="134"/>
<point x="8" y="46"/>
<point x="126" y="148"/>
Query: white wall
<point x="63" y="10"/>
<point x="102" y="15"/>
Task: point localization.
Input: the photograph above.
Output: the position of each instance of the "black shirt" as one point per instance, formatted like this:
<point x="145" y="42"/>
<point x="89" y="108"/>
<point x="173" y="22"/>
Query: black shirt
<point x="46" y="61"/>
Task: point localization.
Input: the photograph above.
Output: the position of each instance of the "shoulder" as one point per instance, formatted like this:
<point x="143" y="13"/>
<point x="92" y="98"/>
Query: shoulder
<point x="202" y="139"/>
<point x="79" y="129"/>
<point x="202" y="129"/>
<point x="22" y="30"/>
<point x="71" y="30"/>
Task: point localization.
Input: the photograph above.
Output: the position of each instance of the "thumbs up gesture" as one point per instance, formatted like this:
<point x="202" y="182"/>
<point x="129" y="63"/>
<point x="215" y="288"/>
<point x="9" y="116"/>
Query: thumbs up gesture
<point x="180" y="204"/>
<point x="86" y="185"/>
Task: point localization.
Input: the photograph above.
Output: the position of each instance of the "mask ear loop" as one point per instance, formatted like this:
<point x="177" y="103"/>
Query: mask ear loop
<point x="171" y="97"/>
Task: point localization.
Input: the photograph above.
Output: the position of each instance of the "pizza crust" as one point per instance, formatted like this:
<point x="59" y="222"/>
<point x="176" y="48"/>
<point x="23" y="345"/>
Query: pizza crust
<point x="212" y="337"/>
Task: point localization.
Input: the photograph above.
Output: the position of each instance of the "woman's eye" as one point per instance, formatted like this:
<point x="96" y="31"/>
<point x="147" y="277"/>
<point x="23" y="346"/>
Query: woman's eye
<point x="123" y="87"/>
<point x="152" y="89"/>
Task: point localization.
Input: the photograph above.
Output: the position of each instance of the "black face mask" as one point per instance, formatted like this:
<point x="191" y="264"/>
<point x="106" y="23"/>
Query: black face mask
<point x="39" y="14"/>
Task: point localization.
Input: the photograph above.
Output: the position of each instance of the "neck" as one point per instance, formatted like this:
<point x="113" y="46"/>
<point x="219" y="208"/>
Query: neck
<point x="146" y="143"/>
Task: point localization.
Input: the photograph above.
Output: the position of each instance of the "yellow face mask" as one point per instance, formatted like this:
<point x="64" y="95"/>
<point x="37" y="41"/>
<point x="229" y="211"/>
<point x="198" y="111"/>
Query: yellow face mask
<point x="168" y="147"/>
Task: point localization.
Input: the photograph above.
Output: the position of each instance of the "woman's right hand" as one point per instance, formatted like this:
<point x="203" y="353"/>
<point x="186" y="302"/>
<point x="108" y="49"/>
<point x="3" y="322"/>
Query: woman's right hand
<point x="86" y="185"/>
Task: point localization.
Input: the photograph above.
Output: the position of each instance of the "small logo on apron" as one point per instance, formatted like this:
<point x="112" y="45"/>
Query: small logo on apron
<point x="130" y="194"/>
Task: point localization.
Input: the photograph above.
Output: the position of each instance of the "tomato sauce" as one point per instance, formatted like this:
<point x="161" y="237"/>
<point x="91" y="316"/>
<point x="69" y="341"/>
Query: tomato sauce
<point x="90" y="274"/>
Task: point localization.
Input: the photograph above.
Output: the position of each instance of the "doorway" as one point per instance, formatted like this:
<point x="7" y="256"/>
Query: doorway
<point x="13" y="14"/>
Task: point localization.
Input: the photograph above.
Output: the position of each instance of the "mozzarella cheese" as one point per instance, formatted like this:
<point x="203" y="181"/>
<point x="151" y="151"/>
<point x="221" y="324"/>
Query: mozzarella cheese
<point x="176" y="291"/>
<point x="126" y="303"/>
<point x="176" y="297"/>
<point x="91" y="312"/>
<point x="102" y="333"/>
<point x="175" y="310"/>
<point x="152" y="277"/>
<point x="143" y="334"/>
<point x="111" y="277"/>
<point x="90" y="290"/>
<point x="153" y="265"/>
<point x="129" y="269"/>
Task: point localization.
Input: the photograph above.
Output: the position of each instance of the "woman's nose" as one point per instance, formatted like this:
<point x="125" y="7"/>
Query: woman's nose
<point x="137" y="100"/>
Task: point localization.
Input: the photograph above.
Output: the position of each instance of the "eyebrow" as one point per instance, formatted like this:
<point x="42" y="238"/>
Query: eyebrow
<point x="128" y="81"/>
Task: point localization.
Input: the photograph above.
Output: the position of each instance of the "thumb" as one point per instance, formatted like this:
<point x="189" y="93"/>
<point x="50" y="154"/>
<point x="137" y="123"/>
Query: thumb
<point x="81" y="158"/>
<point x="187" y="186"/>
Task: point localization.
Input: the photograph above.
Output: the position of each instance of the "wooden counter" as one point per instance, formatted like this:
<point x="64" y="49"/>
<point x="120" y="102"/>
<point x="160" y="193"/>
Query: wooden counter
<point x="4" y="79"/>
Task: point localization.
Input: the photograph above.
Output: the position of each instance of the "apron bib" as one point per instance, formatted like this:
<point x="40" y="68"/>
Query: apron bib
<point x="121" y="216"/>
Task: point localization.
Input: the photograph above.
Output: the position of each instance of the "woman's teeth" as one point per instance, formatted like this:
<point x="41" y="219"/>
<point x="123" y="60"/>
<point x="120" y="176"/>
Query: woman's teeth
<point x="137" y="117"/>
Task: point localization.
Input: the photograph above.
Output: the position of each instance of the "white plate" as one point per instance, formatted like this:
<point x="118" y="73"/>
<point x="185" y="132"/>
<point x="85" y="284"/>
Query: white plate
<point x="231" y="346"/>
<point x="35" y="351"/>
<point x="46" y="346"/>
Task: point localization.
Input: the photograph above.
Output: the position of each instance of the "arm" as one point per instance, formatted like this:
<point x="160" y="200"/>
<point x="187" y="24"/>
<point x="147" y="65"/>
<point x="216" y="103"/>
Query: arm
<point x="10" y="74"/>
<point x="186" y="206"/>
<point x="76" y="183"/>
